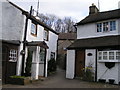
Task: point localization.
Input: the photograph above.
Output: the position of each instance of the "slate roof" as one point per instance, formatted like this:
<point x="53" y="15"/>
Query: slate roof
<point x="106" y="41"/>
<point x="67" y="36"/>
<point x="15" y="42"/>
<point x="100" y="16"/>
<point x="33" y="18"/>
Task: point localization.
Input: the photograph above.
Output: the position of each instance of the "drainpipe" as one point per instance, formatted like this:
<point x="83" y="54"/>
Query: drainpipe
<point x="96" y="67"/>
<point x="45" y="61"/>
<point x="24" y="42"/>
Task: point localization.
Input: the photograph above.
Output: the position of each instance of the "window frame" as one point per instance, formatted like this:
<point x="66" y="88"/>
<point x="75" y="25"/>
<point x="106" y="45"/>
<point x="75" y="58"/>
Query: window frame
<point x="108" y="55"/>
<point x="13" y="56"/>
<point x="35" y="25"/>
<point x="46" y="37"/>
<point x="112" y="26"/>
<point x="99" y="27"/>
<point x="106" y="26"/>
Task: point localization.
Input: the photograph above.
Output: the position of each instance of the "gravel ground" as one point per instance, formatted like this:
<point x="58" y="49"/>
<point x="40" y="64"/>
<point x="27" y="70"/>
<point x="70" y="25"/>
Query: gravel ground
<point x="58" y="80"/>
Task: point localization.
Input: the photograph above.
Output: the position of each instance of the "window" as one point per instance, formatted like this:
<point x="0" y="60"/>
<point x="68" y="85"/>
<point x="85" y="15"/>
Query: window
<point x="105" y="26"/>
<point x="13" y="55"/>
<point x="99" y="27"/>
<point x="109" y="55"/>
<point x="46" y="35"/>
<point x="42" y="54"/>
<point x="34" y="29"/>
<point x="112" y="25"/>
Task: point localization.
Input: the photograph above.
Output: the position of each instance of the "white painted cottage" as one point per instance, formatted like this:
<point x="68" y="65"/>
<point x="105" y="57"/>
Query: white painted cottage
<point x="23" y="33"/>
<point x="97" y="45"/>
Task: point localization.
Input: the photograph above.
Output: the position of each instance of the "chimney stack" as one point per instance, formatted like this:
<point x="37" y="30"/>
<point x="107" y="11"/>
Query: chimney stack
<point x="93" y="9"/>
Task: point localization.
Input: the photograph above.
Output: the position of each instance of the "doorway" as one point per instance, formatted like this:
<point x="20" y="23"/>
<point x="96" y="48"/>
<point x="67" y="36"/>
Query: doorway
<point x="79" y="63"/>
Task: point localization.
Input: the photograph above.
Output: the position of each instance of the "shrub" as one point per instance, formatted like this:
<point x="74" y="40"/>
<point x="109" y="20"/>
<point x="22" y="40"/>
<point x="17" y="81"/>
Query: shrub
<point x="28" y="64"/>
<point x="88" y="74"/>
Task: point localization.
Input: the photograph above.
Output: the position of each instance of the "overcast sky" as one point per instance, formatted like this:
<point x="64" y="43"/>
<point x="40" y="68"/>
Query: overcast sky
<point x="76" y="9"/>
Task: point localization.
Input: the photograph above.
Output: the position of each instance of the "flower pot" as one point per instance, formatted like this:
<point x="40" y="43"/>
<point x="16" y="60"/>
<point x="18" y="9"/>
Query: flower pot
<point x="102" y="80"/>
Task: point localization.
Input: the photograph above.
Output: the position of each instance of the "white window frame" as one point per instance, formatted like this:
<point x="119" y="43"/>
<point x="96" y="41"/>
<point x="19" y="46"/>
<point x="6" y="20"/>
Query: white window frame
<point x="109" y="26"/>
<point x="34" y="29"/>
<point x="99" y="27"/>
<point x="108" y="56"/>
<point x="13" y="55"/>
<point x="112" y="26"/>
<point x="46" y="35"/>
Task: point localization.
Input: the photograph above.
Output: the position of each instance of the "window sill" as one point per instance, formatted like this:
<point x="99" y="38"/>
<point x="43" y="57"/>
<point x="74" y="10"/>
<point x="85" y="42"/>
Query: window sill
<point x="101" y="61"/>
<point x="35" y="35"/>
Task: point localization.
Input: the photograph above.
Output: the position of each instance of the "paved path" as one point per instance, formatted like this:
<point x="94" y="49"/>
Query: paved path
<point x="59" y="81"/>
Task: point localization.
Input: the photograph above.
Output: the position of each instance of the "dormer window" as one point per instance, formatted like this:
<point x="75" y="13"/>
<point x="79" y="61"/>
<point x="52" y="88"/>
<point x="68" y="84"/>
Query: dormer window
<point x="33" y="29"/>
<point x="106" y="26"/>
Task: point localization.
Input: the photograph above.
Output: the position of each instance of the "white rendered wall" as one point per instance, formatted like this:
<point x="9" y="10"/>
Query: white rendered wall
<point x="110" y="73"/>
<point x="35" y="63"/>
<point x="90" y="60"/>
<point x="70" y="67"/>
<point x="39" y="36"/>
<point x="13" y="23"/>
<point x="90" y="30"/>
<point x="41" y="69"/>
<point x="52" y="44"/>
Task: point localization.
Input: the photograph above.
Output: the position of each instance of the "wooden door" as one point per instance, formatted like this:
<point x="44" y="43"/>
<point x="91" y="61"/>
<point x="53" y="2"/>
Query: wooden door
<point x="79" y="63"/>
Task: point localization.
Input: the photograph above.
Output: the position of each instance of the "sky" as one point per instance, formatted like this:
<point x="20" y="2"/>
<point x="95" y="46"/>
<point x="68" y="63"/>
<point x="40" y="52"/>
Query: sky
<point x="76" y="9"/>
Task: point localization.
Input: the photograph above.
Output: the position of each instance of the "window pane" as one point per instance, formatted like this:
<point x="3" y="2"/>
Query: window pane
<point x="111" y="57"/>
<point x="100" y="53"/>
<point x="111" y="53"/>
<point x="105" y="57"/>
<point x="118" y="57"/>
<point x="105" y="53"/>
<point x="100" y="58"/>
<point x="118" y="53"/>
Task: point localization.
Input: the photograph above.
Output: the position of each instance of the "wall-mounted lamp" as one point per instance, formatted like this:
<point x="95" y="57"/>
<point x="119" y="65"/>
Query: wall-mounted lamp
<point x="22" y="52"/>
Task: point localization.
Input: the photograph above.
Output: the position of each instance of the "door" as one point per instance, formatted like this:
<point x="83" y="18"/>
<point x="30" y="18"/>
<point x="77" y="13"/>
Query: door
<point x="9" y="61"/>
<point x="79" y="63"/>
